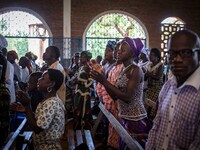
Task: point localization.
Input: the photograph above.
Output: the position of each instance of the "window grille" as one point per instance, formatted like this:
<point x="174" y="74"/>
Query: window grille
<point x="168" y="27"/>
<point x="112" y="26"/>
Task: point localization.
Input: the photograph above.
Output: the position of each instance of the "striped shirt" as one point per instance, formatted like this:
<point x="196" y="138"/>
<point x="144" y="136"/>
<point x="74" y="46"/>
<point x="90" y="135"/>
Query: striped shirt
<point x="177" y="123"/>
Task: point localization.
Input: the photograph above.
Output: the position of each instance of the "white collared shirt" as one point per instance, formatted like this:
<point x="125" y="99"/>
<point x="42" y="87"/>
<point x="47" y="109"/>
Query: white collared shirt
<point x="62" y="90"/>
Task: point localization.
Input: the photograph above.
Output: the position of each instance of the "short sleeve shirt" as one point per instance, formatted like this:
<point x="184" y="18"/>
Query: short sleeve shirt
<point x="50" y="116"/>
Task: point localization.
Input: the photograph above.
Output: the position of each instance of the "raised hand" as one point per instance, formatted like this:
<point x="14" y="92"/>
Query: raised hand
<point x="99" y="77"/>
<point x="17" y="107"/>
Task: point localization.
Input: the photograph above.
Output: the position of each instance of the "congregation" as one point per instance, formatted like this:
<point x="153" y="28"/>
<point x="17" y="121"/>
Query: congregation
<point x="159" y="108"/>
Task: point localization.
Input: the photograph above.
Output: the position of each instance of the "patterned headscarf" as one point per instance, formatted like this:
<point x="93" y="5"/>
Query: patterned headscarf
<point x="111" y="45"/>
<point x="87" y="54"/>
<point x="136" y="45"/>
<point x="3" y="42"/>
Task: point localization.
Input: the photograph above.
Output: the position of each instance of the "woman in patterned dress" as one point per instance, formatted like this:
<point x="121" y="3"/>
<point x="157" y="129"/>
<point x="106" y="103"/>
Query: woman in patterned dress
<point x="49" y="119"/>
<point x="110" y="47"/>
<point x="82" y="103"/>
<point x="109" y="103"/>
<point x="143" y="63"/>
<point x="154" y="75"/>
<point x="128" y="90"/>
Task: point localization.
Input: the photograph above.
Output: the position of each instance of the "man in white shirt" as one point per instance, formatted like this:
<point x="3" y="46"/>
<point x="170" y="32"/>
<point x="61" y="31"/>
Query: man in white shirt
<point x="52" y="55"/>
<point x="24" y="62"/>
<point x="12" y="56"/>
<point x="9" y="77"/>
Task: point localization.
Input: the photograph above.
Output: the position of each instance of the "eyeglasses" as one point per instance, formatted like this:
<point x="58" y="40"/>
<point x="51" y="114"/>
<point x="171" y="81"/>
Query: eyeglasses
<point x="184" y="53"/>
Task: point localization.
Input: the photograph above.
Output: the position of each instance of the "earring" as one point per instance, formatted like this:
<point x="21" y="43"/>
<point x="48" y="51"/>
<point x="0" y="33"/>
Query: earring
<point x="49" y="89"/>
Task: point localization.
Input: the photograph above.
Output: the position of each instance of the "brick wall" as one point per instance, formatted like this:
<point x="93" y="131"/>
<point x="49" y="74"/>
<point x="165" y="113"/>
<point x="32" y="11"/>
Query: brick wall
<point x="149" y="12"/>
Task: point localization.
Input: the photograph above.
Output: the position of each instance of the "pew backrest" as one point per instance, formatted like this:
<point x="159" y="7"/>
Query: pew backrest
<point x="124" y="134"/>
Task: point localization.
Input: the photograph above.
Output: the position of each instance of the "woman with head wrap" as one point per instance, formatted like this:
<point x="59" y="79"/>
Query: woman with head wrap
<point x="74" y="66"/>
<point x="109" y="103"/>
<point x="143" y="63"/>
<point x="110" y="62"/>
<point x="128" y="89"/>
<point x="110" y="47"/>
<point x="82" y="106"/>
<point x="144" y="57"/>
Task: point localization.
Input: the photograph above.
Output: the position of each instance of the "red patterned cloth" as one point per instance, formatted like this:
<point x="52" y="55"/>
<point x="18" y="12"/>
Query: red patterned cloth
<point x="112" y="78"/>
<point x="109" y="104"/>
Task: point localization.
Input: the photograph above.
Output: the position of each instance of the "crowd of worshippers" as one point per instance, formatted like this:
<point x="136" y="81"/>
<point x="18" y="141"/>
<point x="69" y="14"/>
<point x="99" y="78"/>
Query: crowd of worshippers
<point x="158" y="103"/>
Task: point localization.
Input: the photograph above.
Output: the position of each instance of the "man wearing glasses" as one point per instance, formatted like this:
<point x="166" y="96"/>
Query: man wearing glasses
<point x="177" y="123"/>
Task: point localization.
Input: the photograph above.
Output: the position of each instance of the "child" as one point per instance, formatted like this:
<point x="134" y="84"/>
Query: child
<point x="35" y="95"/>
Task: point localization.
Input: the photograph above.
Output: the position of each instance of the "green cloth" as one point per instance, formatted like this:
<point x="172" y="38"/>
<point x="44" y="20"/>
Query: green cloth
<point x="82" y="104"/>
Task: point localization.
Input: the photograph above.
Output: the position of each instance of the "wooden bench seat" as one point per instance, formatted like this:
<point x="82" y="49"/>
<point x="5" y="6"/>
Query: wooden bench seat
<point x="77" y="137"/>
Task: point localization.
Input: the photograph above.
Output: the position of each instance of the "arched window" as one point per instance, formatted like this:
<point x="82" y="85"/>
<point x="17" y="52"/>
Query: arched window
<point x="24" y="31"/>
<point x="168" y="27"/>
<point x="112" y="26"/>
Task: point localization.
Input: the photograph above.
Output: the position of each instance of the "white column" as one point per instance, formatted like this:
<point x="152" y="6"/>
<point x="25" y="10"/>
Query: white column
<point x="67" y="18"/>
<point x="66" y="24"/>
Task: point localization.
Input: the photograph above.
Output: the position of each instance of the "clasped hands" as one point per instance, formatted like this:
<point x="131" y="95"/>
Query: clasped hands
<point x="23" y="102"/>
<point x="99" y="77"/>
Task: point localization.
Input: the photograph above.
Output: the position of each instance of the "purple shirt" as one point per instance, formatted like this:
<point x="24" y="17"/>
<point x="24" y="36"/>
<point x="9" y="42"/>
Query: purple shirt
<point x="177" y="123"/>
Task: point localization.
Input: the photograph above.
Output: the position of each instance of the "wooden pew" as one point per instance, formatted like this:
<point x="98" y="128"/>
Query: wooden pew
<point x="97" y="121"/>
<point x="77" y="137"/>
<point x="12" y="141"/>
<point x="131" y="142"/>
<point x="27" y="139"/>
